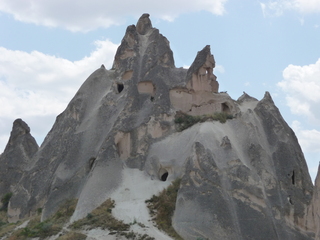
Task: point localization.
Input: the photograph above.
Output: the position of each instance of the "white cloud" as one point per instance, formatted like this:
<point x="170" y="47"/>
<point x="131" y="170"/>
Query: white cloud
<point x="301" y="84"/>
<point x="37" y="87"/>
<point x="88" y="15"/>
<point x="219" y="68"/>
<point x="278" y="7"/>
<point x="308" y="139"/>
<point x="307" y="6"/>
<point x="273" y="8"/>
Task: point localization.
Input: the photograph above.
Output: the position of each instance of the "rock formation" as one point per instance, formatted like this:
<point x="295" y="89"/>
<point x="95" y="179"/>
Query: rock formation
<point x="243" y="179"/>
<point x="17" y="156"/>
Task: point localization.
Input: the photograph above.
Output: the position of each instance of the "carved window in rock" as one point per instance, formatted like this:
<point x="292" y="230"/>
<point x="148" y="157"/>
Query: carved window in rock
<point x="292" y="177"/>
<point x="120" y="87"/>
<point x="146" y="87"/>
<point x="225" y="108"/>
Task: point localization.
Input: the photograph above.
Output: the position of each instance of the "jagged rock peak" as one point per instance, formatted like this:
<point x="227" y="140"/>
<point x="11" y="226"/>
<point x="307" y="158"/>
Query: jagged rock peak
<point x="20" y="132"/>
<point x="144" y="24"/>
<point x="268" y="102"/>
<point x="267" y="97"/>
<point x="204" y="58"/>
<point x="202" y="70"/>
<point x="19" y="128"/>
<point x="142" y="48"/>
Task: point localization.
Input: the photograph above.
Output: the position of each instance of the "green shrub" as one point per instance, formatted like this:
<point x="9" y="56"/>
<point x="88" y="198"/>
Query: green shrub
<point x="185" y="121"/>
<point x="162" y="207"/>
<point x="5" y="201"/>
<point x="51" y="226"/>
<point x="35" y="228"/>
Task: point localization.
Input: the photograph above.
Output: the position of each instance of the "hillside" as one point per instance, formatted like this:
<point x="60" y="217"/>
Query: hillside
<point x="105" y="169"/>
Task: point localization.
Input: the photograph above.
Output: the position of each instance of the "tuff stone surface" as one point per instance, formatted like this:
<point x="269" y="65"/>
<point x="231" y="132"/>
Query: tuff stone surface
<point x="243" y="179"/>
<point x="17" y="156"/>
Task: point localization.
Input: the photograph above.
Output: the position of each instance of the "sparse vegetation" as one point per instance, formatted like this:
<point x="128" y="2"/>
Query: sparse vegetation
<point x="5" y="201"/>
<point x="35" y="228"/>
<point x="102" y="217"/>
<point x="6" y="228"/>
<point x="72" y="236"/>
<point x="162" y="207"/>
<point x="49" y="227"/>
<point x="136" y="236"/>
<point x="185" y="121"/>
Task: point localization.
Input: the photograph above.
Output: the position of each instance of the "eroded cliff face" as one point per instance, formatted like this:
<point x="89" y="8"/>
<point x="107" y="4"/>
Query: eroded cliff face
<point x="242" y="179"/>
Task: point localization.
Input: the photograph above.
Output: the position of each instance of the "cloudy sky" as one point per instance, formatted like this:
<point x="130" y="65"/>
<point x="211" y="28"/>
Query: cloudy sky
<point x="48" y="49"/>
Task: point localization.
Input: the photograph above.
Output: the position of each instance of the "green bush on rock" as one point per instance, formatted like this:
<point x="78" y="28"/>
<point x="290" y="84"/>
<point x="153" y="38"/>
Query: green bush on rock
<point x="185" y="121"/>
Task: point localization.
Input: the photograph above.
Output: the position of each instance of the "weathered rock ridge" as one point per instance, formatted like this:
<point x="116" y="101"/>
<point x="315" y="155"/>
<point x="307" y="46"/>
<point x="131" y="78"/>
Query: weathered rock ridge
<point x="17" y="156"/>
<point x="243" y="179"/>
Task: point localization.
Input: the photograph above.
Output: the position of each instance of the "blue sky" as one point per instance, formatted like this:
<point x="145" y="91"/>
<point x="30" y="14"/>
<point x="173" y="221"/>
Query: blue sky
<point x="48" y="49"/>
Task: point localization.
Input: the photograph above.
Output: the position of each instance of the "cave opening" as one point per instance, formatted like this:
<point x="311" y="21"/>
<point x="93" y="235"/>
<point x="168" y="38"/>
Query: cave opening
<point x="293" y="178"/>
<point x="164" y="176"/>
<point x="120" y="87"/>
<point x="225" y="108"/>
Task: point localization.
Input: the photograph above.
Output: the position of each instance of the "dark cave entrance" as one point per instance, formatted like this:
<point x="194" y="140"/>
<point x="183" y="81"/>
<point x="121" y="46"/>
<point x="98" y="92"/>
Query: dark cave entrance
<point x="293" y="178"/>
<point x="120" y="87"/>
<point x="164" y="176"/>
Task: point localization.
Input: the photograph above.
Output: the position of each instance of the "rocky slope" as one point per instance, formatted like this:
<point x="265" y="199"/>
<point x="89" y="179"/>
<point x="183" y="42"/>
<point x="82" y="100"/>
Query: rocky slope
<point x="131" y="130"/>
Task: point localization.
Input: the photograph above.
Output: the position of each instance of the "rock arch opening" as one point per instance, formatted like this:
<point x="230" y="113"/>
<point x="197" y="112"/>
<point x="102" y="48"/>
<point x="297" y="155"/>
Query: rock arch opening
<point x="120" y="87"/>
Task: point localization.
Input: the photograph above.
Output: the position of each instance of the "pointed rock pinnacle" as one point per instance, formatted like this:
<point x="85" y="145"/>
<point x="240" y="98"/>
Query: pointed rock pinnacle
<point x="144" y="24"/>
